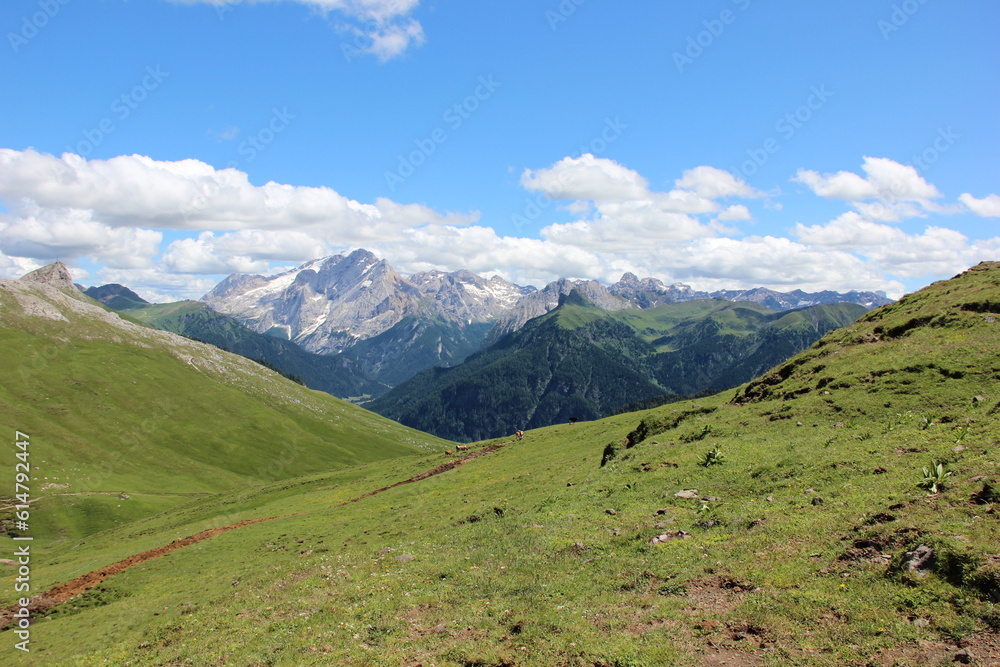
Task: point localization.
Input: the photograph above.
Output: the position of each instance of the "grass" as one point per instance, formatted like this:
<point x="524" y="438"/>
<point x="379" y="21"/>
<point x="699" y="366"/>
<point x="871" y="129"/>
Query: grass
<point x="114" y="408"/>
<point x="791" y="553"/>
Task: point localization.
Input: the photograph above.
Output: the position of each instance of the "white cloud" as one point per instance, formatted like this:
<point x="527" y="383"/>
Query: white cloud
<point x="988" y="207"/>
<point x="885" y="179"/>
<point x="713" y="183"/>
<point x="736" y="213"/>
<point x="112" y="211"/>
<point x="617" y="208"/>
<point x="51" y="234"/>
<point x="898" y="191"/>
<point x="938" y="251"/>
<point x="774" y="262"/>
<point x="849" y="231"/>
<point x="15" y="267"/>
<point x="587" y="178"/>
<point x="842" y="185"/>
<point x="383" y="27"/>
<point x="482" y="250"/>
<point x="620" y="226"/>
<point x="246" y="251"/>
<point x="137" y="191"/>
<point x="386" y="42"/>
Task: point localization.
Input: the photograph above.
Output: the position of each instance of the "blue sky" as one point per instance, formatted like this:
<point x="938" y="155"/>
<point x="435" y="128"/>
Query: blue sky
<point x="841" y="144"/>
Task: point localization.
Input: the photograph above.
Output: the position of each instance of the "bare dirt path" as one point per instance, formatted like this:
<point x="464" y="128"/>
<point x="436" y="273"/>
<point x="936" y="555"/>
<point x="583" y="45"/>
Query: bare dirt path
<point x="65" y="591"/>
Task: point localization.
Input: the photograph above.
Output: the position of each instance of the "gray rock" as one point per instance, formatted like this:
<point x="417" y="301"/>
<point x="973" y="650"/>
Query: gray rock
<point x="920" y="561"/>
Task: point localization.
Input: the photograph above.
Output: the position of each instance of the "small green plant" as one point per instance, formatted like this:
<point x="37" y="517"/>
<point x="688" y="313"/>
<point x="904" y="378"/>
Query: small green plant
<point x="926" y="421"/>
<point x="934" y="477"/>
<point x="712" y="457"/>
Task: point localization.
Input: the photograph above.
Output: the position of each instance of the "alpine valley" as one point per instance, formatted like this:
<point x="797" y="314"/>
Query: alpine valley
<point x="352" y="326"/>
<point x="183" y="505"/>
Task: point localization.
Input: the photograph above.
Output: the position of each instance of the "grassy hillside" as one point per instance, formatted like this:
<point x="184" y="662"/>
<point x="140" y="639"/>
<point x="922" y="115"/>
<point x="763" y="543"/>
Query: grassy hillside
<point x="334" y="374"/>
<point x="811" y="537"/>
<point x="115" y="408"/>
<point x="582" y="362"/>
<point x="611" y="542"/>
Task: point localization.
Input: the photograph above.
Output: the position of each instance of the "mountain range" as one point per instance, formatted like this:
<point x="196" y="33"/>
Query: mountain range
<point x="394" y="327"/>
<point x="188" y="506"/>
<point x="581" y="362"/>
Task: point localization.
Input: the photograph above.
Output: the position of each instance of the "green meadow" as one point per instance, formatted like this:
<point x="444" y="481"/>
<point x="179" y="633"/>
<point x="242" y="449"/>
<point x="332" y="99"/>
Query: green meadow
<point x="803" y="497"/>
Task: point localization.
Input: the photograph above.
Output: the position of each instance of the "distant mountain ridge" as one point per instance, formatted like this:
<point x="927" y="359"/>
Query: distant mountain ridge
<point x="115" y="296"/>
<point x="328" y="304"/>
<point x="582" y="361"/>
<point x="395" y="326"/>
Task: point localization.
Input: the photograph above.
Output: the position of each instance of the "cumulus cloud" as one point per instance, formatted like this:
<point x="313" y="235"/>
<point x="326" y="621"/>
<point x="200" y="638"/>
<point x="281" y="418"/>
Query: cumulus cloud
<point x="849" y="231"/>
<point x="884" y="178"/>
<point x="988" y="207"/>
<point x="247" y="251"/>
<point x="938" y="251"/>
<point x="736" y="213"/>
<point x="713" y="183"/>
<point x="113" y="211"/>
<point x="481" y="250"/>
<point x="617" y="207"/>
<point x="15" y="267"/>
<point x="382" y="28"/>
<point x="135" y="190"/>
<point x="774" y="262"/>
<point x="898" y="191"/>
<point x="587" y="177"/>
<point x="51" y="234"/>
<point x="386" y="42"/>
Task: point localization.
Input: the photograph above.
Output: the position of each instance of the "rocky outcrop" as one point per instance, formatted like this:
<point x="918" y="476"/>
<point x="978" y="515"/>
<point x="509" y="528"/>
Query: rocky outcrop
<point x="54" y="275"/>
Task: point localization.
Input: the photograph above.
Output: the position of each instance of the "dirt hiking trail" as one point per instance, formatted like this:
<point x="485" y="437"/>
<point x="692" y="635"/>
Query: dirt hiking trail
<point x="57" y="595"/>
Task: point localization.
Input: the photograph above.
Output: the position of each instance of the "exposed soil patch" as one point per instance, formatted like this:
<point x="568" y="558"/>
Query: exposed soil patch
<point x="63" y="592"/>
<point x="980" y="649"/>
<point x="716" y="596"/>
<point x="59" y="594"/>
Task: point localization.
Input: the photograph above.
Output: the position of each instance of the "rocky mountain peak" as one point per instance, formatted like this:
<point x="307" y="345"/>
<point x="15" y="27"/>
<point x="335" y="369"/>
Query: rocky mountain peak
<point x="629" y="279"/>
<point x="54" y="275"/>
